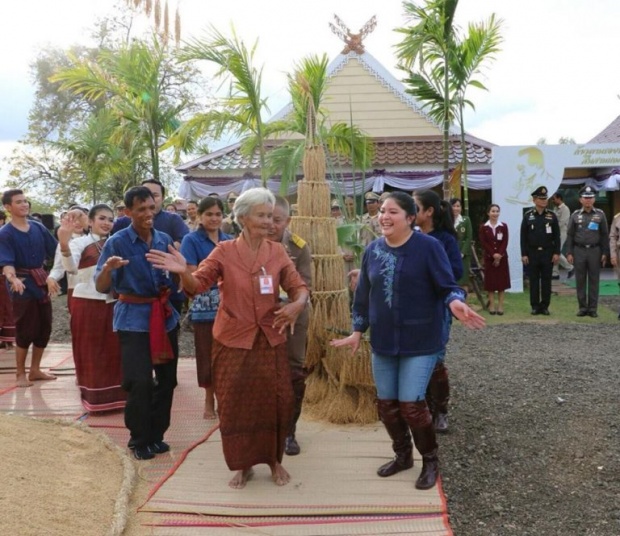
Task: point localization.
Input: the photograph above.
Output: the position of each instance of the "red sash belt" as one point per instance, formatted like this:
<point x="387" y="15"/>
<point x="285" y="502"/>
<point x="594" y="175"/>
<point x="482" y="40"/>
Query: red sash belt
<point x="39" y="275"/>
<point x="161" y="350"/>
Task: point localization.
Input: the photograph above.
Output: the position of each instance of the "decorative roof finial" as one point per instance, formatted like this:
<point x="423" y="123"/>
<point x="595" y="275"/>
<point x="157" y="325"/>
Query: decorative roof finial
<point x="353" y="41"/>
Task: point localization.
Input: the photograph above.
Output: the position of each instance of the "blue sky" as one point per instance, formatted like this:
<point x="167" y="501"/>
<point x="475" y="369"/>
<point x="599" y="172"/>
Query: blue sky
<point x="556" y="76"/>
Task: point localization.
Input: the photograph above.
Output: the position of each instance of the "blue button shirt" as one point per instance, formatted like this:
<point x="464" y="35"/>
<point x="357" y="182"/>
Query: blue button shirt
<point x="26" y="249"/>
<point x="196" y="247"/>
<point x="139" y="278"/>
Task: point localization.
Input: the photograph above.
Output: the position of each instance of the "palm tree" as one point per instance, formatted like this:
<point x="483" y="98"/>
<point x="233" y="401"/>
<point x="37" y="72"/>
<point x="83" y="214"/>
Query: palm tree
<point x="479" y="46"/>
<point x="308" y="85"/>
<point x="138" y="84"/>
<point x="431" y="41"/>
<point x="241" y="111"/>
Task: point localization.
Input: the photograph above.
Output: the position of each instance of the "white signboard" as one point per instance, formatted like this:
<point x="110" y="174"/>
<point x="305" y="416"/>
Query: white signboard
<point x="518" y="171"/>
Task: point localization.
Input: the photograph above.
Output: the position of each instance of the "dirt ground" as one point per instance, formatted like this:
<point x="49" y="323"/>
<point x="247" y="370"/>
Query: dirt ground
<point x="533" y="446"/>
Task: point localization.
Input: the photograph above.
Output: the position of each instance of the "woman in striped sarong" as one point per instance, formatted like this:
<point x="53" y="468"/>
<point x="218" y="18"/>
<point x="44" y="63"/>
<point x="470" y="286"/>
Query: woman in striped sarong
<point x="96" y="349"/>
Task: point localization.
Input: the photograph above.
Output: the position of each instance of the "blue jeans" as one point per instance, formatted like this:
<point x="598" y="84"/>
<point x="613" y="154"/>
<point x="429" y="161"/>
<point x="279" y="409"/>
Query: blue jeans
<point x="403" y="378"/>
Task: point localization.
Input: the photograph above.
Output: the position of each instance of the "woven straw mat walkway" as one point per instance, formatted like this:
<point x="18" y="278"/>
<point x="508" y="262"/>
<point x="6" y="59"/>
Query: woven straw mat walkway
<point x="333" y="491"/>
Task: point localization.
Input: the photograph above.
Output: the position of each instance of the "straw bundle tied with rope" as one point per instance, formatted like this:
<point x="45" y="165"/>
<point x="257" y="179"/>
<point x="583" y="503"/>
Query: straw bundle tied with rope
<point x="313" y="198"/>
<point x="320" y="233"/>
<point x="331" y="388"/>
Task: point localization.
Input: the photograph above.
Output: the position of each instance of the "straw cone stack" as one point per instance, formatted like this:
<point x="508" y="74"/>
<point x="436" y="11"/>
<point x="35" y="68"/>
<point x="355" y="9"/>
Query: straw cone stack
<point x="340" y="388"/>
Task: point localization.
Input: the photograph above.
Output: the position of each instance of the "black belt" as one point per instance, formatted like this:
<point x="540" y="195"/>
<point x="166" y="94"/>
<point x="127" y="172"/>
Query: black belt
<point x="587" y="246"/>
<point x="540" y="248"/>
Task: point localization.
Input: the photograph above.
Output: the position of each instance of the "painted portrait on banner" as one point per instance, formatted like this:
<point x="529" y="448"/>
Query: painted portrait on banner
<point x="530" y="173"/>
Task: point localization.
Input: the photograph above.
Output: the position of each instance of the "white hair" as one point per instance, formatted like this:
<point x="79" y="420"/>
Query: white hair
<point x="251" y="198"/>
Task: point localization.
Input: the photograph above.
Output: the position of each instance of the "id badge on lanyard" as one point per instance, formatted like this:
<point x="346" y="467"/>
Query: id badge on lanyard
<point x="265" y="282"/>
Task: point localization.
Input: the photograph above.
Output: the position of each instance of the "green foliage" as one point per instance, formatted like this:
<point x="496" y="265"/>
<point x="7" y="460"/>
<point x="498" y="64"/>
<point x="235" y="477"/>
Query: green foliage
<point x="240" y="112"/>
<point x="429" y="45"/>
<point x="441" y="64"/>
<point x="307" y="86"/>
<point x="102" y="115"/>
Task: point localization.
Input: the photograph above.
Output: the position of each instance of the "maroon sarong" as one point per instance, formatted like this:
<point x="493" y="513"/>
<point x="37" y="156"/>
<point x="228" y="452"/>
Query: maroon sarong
<point x="203" y="342"/>
<point x="97" y="355"/>
<point x="255" y="402"/>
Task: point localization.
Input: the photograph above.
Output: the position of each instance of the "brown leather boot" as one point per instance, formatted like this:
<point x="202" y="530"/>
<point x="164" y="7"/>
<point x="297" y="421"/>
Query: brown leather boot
<point x="398" y="430"/>
<point x="439" y="391"/>
<point x="420" y="421"/>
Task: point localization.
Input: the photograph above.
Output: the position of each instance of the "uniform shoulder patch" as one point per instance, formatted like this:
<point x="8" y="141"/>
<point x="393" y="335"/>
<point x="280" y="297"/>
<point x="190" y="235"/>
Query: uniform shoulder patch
<point x="298" y="240"/>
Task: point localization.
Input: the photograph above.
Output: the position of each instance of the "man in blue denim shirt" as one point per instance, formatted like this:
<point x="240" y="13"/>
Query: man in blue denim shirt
<point x="146" y="324"/>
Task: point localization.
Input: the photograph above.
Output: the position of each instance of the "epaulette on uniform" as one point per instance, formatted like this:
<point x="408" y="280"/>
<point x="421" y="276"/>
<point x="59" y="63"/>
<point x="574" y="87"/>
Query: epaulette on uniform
<point x="298" y="240"/>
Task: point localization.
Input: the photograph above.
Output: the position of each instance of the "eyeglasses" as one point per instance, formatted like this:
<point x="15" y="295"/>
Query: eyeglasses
<point x="371" y="201"/>
<point x="232" y="199"/>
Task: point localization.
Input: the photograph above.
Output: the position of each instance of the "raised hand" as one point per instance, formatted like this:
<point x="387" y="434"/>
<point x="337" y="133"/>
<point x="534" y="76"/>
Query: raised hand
<point x="173" y="261"/>
<point x="114" y="262"/>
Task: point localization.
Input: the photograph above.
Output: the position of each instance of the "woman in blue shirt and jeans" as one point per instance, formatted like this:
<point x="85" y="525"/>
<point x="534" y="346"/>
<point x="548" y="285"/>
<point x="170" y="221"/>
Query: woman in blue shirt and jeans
<point x="405" y="282"/>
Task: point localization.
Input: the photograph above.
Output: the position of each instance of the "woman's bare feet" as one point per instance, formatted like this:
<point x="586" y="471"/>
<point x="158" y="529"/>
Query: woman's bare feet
<point x="39" y="375"/>
<point x="23" y="381"/>
<point x="280" y="475"/>
<point x="241" y="478"/>
<point x="209" y="412"/>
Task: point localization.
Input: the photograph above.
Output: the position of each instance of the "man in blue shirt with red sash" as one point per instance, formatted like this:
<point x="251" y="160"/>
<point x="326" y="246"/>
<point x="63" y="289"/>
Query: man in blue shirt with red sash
<point x="25" y="244"/>
<point x="147" y="325"/>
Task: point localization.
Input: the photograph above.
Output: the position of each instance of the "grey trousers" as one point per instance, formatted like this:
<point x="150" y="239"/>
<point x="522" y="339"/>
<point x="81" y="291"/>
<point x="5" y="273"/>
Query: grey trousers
<point x="587" y="262"/>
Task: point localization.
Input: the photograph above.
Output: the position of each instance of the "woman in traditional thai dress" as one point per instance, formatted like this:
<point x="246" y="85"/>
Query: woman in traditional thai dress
<point x="196" y="247"/>
<point x="96" y="349"/>
<point x="251" y="374"/>
<point x="493" y="237"/>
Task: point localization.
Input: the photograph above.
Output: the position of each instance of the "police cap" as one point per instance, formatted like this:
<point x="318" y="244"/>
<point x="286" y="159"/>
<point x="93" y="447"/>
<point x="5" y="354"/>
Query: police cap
<point x="587" y="191"/>
<point x="540" y="192"/>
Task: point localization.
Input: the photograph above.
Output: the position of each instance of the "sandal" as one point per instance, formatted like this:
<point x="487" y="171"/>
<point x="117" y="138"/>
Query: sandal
<point x="492" y="312"/>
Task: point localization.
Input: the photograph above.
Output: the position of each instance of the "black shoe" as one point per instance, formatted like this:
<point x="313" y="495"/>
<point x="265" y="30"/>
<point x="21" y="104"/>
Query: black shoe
<point x="143" y="453"/>
<point x="593" y="314"/>
<point x="545" y="312"/>
<point x="291" y="447"/>
<point x="582" y="313"/>
<point x="555" y="277"/>
<point x="570" y="273"/>
<point x="159" y="447"/>
<point x="441" y="423"/>
<point x="534" y="312"/>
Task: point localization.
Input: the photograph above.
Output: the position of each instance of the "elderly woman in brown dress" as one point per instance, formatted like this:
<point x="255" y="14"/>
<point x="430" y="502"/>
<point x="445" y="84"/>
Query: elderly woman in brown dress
<point x="250" y="368"/>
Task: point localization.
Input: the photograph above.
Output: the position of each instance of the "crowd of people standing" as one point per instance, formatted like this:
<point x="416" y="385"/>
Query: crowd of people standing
<point x="244" y="281"/>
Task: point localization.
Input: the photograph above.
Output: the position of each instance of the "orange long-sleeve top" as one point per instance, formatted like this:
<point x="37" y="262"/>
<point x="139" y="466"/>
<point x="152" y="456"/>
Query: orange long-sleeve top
<point x="243" y="309"/>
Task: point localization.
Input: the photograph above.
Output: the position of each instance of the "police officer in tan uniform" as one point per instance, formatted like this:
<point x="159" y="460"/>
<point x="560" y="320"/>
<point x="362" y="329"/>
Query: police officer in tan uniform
<point x="371" y="217"/>
<point x="587" y="245"/>
<point x="229" y="224"/>
<point x="299" y="252"/>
